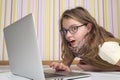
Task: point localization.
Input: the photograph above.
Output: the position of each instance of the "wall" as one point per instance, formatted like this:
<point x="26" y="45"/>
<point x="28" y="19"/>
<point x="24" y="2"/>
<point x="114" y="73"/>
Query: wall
<point x="46" y="17"/>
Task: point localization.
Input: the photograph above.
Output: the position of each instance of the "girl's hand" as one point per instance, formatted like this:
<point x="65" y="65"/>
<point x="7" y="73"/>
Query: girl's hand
<point x="59" y="66"/>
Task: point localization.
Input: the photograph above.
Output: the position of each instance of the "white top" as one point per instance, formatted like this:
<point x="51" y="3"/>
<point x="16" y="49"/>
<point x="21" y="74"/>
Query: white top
<point x="110" y="52"/>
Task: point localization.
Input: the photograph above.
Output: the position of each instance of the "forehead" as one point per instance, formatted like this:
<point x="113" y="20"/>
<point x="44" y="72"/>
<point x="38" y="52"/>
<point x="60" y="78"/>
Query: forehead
<point x="67" y="22"/>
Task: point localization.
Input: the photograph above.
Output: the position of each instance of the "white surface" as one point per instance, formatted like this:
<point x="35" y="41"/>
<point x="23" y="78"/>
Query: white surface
<point x="105" y="76"/>
<point x="9" y="76"/>
<point x="5" y="74"/>
<point x="94" y="76"/>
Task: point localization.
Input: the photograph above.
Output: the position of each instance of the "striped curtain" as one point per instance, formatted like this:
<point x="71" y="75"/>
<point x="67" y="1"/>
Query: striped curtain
<point x="46" y="15"/>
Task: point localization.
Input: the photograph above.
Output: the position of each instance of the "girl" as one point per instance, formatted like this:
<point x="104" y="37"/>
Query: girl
<point x="82" y="37"/>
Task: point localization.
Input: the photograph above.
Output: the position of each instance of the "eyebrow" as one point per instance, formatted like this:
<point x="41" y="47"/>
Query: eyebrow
<point x="73" y="25"/>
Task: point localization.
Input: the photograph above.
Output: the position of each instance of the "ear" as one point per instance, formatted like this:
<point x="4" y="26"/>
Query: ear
<point x="89" y="27"/>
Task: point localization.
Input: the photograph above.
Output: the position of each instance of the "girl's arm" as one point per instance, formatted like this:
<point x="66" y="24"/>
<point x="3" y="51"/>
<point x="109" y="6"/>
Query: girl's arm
<point x="87" y="67"/>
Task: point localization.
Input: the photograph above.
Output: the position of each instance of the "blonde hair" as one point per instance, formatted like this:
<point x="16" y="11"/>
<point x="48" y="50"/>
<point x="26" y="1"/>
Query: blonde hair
<point x="95" y="37"/>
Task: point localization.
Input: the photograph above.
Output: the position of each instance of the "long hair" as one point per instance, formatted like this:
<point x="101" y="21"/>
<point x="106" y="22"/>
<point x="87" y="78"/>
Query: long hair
<point x="94" y="38"/>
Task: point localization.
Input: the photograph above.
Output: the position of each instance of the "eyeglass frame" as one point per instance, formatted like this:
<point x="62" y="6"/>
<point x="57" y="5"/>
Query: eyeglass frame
<point x="64" y="31"/>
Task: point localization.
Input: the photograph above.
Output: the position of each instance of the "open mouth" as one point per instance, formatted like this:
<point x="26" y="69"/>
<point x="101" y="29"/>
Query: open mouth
<point x="71" y="42"/>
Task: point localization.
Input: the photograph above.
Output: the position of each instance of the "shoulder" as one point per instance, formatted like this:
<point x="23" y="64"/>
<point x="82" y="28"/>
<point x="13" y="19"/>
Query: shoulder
<point x="110" y="44"/>
<point x="110" y="51"/>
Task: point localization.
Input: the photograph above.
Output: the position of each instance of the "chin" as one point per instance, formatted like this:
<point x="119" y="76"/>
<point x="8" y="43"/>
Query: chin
<point x="74" y="45"/>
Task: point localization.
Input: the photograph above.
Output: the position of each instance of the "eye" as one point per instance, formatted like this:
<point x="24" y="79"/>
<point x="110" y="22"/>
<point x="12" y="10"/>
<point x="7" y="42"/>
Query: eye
<point x="63" y="31"/>
<point x="74" y="28"/>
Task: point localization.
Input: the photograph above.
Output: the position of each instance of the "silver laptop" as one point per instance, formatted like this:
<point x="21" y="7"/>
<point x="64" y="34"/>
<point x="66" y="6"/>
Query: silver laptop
<point x="23" y="52"/>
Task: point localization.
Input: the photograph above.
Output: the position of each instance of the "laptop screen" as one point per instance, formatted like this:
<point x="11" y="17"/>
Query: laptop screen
<point x="23" y="52"/>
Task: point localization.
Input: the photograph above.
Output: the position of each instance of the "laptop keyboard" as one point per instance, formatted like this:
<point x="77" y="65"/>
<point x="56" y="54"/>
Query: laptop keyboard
<point x="48" y="75"/>
<point x="69" y="73"/>
<point x="63" y="73"/>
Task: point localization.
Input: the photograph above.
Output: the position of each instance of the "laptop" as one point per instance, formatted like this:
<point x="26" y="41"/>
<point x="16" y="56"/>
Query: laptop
<point x="24" y="53"/>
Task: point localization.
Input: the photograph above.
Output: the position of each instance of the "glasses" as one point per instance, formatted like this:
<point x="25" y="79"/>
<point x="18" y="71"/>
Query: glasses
<point x="72" y="30"/>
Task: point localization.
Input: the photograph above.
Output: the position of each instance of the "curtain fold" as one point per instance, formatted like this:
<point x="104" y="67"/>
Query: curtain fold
<point x="46" y="15"/>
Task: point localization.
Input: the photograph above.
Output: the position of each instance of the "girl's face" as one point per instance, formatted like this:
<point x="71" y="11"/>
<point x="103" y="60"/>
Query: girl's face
<point x="74" y="34"/>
